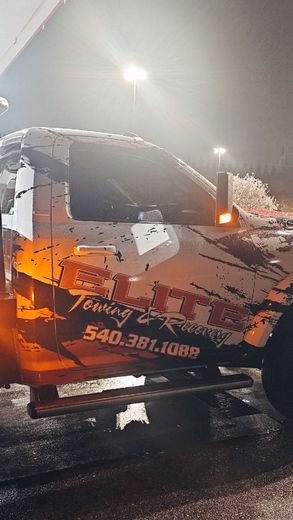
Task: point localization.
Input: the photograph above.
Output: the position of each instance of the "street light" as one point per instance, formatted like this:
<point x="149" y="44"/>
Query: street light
<point x="219" y="152"/>
<point x="4" y="106"/>
<point x="134" y="74"/>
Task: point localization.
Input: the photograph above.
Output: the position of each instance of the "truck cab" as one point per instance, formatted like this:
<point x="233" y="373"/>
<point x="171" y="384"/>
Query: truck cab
<point x="121" y="260"/>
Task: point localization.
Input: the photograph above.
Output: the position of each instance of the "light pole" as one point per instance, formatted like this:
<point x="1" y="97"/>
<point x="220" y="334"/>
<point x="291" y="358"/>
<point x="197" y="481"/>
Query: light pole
<point x="219" y="152"/>
<point x="134" y="74"/>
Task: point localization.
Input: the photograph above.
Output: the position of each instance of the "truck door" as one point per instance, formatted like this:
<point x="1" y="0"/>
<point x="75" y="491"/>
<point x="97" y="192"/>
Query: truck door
<point x="142" y="276"/>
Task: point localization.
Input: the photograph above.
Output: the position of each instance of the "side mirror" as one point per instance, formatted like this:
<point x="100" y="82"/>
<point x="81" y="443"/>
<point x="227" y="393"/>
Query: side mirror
<point x="4" y="106"/>
<point x="224" y="199"/>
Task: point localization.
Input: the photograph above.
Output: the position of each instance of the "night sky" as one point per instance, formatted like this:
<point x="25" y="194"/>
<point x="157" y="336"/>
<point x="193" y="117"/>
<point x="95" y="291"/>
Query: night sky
<point x="220" y="73"/>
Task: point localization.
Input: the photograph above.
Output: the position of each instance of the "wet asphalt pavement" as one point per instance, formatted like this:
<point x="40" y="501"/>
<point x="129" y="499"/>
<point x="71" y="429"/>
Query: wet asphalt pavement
<point x="218" y="457"/>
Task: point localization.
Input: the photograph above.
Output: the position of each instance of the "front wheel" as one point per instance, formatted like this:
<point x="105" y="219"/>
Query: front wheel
<point x="277" y="370"/>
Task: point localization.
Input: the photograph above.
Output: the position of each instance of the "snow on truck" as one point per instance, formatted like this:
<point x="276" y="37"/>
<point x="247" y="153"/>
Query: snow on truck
<point x="119" y="259"/>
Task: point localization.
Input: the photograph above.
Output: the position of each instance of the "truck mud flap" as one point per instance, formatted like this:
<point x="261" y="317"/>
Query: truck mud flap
<point x="124" y="396"/>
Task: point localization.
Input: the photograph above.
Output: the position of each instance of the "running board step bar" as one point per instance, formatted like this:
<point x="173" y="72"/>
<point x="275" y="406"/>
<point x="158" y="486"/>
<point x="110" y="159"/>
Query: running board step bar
<point x="137" y="394"/>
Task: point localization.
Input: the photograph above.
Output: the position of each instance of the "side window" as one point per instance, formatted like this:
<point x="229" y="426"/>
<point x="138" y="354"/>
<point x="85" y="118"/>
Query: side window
<point x="109" y="183"/>
<point x="9" y="164"/>
<point x="7" y="202"/>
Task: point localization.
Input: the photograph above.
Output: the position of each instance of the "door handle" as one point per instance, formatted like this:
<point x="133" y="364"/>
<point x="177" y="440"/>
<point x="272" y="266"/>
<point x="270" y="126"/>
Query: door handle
<point x="83" y="249"/>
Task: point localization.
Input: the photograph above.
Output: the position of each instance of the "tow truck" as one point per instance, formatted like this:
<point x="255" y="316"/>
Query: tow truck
<point x="118" y="259"/>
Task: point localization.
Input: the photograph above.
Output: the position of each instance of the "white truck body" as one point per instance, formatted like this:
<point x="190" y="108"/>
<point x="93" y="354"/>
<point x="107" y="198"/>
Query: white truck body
<point x="117" y="267"/>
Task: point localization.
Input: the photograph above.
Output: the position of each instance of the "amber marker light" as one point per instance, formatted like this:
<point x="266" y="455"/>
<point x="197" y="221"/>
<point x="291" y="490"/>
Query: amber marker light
<point x="225" y="218"/>
<point x="33" y="296"/>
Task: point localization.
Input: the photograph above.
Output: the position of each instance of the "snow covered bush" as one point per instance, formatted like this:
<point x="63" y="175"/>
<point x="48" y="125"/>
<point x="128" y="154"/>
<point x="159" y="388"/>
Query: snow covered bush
<point x="251" y="193"/>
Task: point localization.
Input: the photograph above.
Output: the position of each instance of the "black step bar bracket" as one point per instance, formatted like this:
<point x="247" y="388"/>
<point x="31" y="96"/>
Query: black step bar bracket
<point x="136" y="394"/>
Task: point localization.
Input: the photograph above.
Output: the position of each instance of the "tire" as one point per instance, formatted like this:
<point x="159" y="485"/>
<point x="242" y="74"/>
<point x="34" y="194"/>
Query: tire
<point x="277" y="370"/>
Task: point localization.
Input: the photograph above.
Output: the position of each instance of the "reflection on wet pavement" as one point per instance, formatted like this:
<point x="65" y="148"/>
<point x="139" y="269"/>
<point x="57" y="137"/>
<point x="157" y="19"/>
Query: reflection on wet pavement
<point x="30" y="447"/>
<point x="214" y="457"/>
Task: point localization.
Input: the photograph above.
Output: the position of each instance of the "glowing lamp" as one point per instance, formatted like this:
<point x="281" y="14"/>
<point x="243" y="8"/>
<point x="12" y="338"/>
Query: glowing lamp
<point x="134" y="73"/>
<point x="225" y="218"/>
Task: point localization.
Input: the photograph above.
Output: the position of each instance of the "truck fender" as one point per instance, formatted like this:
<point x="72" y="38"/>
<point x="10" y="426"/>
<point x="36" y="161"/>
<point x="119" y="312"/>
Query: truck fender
<point x="277" y="303"/>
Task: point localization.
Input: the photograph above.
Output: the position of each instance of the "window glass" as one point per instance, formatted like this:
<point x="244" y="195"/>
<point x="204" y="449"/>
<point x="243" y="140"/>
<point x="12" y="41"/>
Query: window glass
<point x="9" y="164"/>
<point x="110" y="183"/>
<point x="7" y="203"/>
